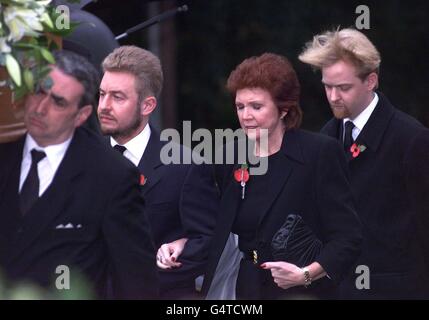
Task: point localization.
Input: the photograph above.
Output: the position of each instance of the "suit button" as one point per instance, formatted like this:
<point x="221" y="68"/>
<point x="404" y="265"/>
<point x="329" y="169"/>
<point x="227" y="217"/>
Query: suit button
<point x="20" y="230"/>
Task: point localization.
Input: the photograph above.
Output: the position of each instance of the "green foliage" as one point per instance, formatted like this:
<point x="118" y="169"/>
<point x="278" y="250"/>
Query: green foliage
<point x="27" y="28"/>
<point x="78" y="289"/>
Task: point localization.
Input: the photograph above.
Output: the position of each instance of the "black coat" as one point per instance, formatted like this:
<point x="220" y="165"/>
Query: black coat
<point x="181" y="200"/>
<point x="390" y="180"/>
<point x="313" y="184"/>
<point x="94" y="187"/>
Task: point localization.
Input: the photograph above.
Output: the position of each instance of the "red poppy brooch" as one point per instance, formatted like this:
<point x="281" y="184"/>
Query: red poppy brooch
<point x="356" y="149"/>
<point x="241" y="175"/>
<point x="143" y="180"/>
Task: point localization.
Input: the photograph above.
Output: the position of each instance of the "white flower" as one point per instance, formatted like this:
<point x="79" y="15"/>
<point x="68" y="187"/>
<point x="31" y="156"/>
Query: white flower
<point x="32" y="2"/>
<point x="27" y="19"/>
<point x="22" y="22"/>
<point x="43" y="2"/>
<point x="4" y="47"/>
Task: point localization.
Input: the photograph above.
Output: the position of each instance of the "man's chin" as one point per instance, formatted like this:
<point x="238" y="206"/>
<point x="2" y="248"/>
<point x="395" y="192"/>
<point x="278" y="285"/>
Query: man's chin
<point x="108" y="131"/>
<point x="35" y="131"/>
<point x="339" y="116"/>
<point x="339" y="113"/>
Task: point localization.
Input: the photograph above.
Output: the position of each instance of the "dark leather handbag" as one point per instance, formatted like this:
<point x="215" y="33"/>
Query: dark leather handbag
<point x="295" y="242"/>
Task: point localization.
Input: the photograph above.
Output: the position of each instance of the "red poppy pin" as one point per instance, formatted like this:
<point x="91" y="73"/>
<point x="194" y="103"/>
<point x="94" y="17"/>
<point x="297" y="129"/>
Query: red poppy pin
<point x="356" y="149"/>
<point x="241" y="175"/>
<point x="142" y="180"/>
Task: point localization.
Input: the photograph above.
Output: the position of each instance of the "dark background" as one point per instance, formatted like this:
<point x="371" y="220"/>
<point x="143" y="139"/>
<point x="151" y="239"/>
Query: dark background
<point x="201" y="47"/>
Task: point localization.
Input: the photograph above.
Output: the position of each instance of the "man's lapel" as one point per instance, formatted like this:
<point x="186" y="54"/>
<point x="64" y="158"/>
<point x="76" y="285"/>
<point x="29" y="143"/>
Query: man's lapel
<point x="150" y="162"/>
<point x="371" y="134"/>
<point x="373" y="131"/>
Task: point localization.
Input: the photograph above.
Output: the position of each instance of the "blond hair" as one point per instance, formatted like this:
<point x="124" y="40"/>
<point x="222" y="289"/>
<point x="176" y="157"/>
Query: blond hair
<point x="347" y="44"/>
<point x="141" y="63"/>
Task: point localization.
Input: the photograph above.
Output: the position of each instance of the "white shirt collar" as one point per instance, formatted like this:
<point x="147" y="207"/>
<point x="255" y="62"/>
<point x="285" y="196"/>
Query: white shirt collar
<point x="54" y="153"/>
<point x="363" y="117"/>
<point x="136" y="146"/>
<point x="48" y="166"/>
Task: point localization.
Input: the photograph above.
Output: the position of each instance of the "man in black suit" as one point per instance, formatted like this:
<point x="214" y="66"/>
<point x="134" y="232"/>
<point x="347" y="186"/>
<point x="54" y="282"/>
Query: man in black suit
<point x="180" y="198"/>
<point x="387" y="152"/>
<point x="69" y="202"/>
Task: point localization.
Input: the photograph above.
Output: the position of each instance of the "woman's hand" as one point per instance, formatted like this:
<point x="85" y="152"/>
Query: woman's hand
<point x="166" y="257"/>
<point x="287" y="275"/>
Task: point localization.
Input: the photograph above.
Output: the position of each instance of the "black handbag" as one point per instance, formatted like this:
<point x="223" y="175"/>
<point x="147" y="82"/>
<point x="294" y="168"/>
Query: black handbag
<point x="295" y="242"/>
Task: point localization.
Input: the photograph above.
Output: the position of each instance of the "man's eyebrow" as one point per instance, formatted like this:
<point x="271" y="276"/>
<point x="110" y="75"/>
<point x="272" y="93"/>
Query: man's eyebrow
<point x="112" y="92"/>
<point x="58" y="99"/>
<point x="336" y="85"/>
<point x="326" y="83"/>
<point x="117" y="92"/>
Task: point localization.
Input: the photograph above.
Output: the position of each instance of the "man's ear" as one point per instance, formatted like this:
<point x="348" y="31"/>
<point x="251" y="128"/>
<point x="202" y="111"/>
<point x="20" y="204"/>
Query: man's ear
<point x="148" y="105"/>
<point x="82" y="115"/>
<point x="372" y="80"/>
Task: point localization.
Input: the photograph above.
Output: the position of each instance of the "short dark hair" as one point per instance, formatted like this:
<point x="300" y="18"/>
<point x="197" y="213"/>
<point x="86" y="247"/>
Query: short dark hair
<point x="275" y="74"/>
<point x="82" y="70"/>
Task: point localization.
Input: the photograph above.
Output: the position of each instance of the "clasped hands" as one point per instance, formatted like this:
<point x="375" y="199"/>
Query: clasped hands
<point x="166" y="257"/>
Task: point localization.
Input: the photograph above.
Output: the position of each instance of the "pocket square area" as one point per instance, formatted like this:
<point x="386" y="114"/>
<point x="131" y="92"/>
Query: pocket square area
<point x="295" y="242"/>
<point x="68" y="226"/>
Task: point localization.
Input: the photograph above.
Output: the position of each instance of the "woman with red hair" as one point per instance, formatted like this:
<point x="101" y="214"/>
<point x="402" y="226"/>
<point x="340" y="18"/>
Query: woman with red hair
<point x="297" y="230"/>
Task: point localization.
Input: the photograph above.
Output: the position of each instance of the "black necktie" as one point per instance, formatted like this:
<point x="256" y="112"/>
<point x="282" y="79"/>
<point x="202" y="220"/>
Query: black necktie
<point x="30" y="188"/>
<point x="348" y="138"/>
<point x="119" y="148"/>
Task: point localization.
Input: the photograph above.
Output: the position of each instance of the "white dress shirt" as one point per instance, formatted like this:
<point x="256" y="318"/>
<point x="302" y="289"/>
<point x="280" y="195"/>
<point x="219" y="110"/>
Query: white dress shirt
<point x="136" y="146"/>
<point x="362" y="118"/>
<point x="47" y="167"/>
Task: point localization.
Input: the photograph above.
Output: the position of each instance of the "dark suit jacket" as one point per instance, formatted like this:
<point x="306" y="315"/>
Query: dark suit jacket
<point x="390" y="180"/>
<point x="181" y="200"/>
<point x="313" y="184"/>
<point x="96" y="188"/>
